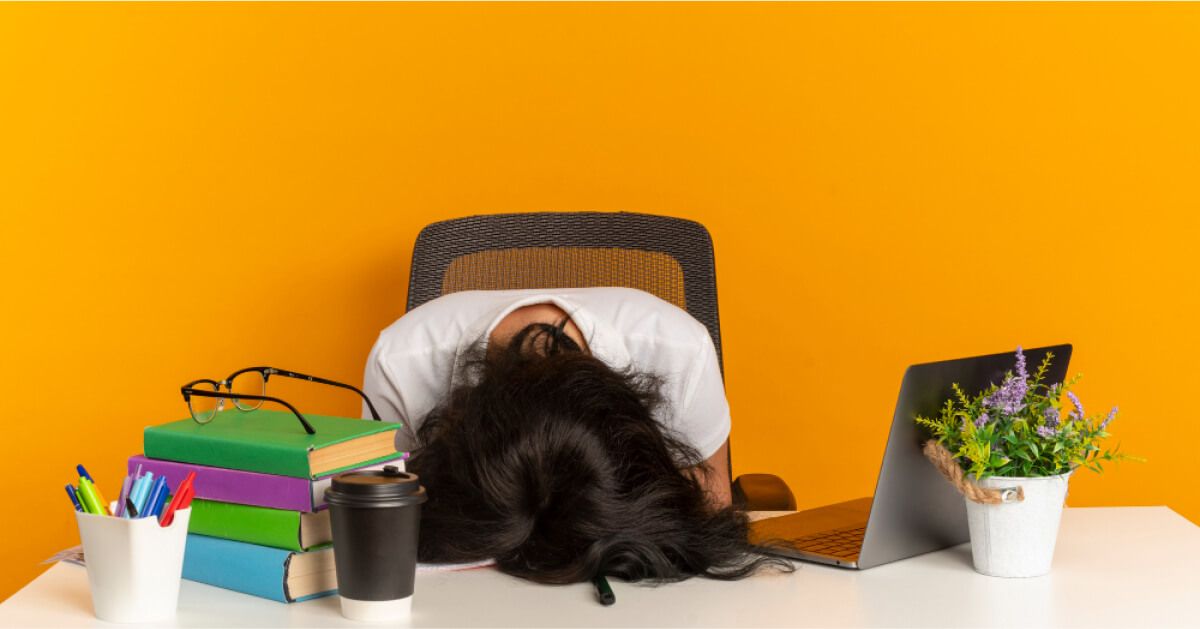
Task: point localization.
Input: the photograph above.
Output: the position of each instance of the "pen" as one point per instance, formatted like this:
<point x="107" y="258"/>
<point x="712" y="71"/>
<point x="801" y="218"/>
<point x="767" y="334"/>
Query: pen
<point x="130" y="509"/>
<point x="74" y="499"/>
<point x="141" y="491"/>
<point x="147" y="508"/>
<point x="161" y="503"/>
<point x="135" y="489"/>
<point x="136" y="475"/>
<point x="168" y="514"/>
<point x="84" y="473"/>
<point x="125" y="485"/>
<point x="181" y="494"/>
<point x="89" y="499"/>
<point x="603" y="590"/>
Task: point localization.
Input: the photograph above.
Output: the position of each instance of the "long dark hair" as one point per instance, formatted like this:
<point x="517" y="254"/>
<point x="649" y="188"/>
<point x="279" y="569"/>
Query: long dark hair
<point x="550" y="462"/>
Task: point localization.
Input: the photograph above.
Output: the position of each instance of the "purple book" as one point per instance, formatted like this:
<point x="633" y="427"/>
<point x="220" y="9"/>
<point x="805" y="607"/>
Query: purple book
<point x="247" y="488"/>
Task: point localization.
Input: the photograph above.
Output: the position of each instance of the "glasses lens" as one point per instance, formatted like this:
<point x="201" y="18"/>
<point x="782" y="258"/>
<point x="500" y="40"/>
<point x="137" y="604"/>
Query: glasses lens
<point x="203" y="408"/>
<point x="249" y="383"/>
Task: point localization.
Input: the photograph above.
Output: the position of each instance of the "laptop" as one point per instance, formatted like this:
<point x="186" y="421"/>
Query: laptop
<point x="914" y="509"/>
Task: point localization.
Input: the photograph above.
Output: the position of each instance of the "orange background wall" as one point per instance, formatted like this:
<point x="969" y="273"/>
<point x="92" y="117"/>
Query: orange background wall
<point x="189" y="189"/>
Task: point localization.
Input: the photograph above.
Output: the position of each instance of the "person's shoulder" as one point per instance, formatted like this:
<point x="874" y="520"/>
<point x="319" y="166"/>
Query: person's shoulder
<point x="435" y="323"/>
<point x="641" y="315"/>
<point x="628" y="297"/>
<point x="668" y="311"/>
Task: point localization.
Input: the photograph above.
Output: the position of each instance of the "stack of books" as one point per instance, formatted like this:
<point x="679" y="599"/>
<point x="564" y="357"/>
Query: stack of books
<point x="259" y="523"/>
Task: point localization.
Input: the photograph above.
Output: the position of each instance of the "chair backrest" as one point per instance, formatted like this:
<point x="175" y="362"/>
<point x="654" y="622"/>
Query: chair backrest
<point x="668" y="257"/>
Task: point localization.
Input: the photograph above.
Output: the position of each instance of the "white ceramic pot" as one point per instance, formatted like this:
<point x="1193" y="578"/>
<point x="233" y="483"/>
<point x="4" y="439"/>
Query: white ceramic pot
<point x="1016" y="539"/>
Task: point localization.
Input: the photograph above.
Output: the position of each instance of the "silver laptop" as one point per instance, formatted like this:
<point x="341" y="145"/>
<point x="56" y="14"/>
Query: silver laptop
<point x="914" y="510"/>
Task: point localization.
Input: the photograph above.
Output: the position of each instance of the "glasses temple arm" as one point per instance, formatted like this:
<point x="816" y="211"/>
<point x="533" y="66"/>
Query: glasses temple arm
<point x="301" y="376"/>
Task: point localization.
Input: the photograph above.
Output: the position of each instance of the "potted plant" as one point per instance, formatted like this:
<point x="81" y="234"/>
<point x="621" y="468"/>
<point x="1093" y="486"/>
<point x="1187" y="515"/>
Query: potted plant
<point x="1011" y="450"/>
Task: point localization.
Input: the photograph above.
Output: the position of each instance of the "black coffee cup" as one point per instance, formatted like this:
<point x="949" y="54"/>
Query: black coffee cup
<point x="376" y="515"/>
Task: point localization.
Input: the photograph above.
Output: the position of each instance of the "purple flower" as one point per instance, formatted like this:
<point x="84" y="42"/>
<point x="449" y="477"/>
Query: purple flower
<point x="982" y="420"/>
<point x="1078" y="412"/>
<point x="1111" y="415"/>
<point x="1046" y="431"/>
<point x="1052" y="417"/>
<point x="1010" y="397"/>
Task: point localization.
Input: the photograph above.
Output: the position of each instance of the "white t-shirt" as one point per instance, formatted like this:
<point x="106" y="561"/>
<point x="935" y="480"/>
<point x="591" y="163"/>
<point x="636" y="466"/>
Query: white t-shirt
<point x="415" y="361"/>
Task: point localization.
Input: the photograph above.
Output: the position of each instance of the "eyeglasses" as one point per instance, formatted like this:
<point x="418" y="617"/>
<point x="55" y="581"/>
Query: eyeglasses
<point x="247" y="388"/>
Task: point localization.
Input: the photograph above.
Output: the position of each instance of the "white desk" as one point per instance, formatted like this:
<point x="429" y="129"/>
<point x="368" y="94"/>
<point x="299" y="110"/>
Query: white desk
<point x="1122" y="567"/>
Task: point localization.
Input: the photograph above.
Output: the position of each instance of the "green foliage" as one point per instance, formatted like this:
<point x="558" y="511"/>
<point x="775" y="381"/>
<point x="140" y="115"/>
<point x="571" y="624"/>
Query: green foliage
<point x="1022" y="428"/>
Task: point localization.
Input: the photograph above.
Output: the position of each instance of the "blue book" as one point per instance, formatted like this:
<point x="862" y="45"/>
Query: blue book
<point x="280" y="575"/>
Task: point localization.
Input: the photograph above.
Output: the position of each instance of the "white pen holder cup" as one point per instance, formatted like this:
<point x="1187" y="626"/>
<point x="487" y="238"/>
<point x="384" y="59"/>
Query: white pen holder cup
<point x="134" y="566"/>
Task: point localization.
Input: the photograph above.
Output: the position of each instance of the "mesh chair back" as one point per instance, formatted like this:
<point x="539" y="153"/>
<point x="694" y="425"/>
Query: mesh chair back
<point x="668" y="257"/>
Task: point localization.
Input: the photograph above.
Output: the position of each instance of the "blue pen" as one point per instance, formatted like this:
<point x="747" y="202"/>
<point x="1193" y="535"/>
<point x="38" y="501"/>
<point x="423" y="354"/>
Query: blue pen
<point x="161" y="503"/>
<point x="160" y="488"/>
<point x="134" y="490"/>
<point x="141" y="490"/>
<point x="83" y="472"/>
<point x="74" y="498"/>
<point x="160" y="499"/>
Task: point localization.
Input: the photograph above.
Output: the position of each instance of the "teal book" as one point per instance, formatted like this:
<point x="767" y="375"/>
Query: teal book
<point x="274" y="442"/>
<point x="280" y="575"/>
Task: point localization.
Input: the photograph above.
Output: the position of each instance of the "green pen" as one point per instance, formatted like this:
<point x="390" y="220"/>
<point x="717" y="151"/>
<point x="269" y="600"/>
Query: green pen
<point x="604" y="592"/>
<point x="87" y="495"/>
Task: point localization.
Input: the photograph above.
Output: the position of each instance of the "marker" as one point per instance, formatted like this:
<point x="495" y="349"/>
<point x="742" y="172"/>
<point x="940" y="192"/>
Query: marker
<point x="88" y="497"/>
<point x="603" y="590"/>
<point x="99" y="497"/>
<point x="83" y="472"/>
<point x="130" y="509"/>
<point x="74" y="498"/>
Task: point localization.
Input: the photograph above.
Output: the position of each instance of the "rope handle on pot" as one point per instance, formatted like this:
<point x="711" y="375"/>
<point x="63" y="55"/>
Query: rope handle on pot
<point x="944" y="461"/>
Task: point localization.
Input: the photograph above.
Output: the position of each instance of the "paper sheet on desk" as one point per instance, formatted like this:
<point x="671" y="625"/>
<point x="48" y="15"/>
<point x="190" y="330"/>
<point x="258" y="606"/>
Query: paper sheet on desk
<point x="454" y="567"/>
<point x="74" y="555"/>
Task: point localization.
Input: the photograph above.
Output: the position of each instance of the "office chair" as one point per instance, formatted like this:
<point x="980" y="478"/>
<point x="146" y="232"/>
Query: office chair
<point x="671" y="258"/>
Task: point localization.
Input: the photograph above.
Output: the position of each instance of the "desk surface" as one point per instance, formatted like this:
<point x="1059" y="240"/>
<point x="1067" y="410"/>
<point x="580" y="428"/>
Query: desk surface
<point x="1129" y="566"/>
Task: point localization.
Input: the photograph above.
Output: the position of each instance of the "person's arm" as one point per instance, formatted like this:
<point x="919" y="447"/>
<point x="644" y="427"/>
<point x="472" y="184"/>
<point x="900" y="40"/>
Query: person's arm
<point x="705" y="421"/>
<point x="715" y="477"/>
<point x="405" y="377"/>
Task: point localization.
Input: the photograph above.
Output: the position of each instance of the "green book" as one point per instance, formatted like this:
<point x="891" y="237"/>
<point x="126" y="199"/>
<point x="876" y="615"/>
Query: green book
<point x="278" y="528"/>
<point x="274" y="442"/>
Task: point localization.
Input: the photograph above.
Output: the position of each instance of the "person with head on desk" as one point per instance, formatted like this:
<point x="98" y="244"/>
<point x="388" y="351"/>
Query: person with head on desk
<point x="565" y="433"/>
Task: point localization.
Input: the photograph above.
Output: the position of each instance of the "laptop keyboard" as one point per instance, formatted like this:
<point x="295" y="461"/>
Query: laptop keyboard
<point x="843" y="543"/>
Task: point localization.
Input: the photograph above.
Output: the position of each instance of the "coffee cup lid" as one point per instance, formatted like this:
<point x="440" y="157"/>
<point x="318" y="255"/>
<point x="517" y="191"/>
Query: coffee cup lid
<point x="388" y="487"/>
